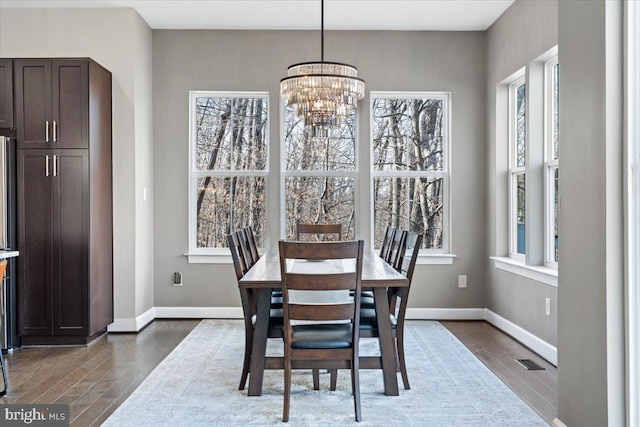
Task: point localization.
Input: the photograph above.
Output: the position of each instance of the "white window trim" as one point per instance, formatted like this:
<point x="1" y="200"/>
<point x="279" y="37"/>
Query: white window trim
<point x="550" y="165"/>
<point x="542" y="274"/>
<point x="426" y="256"/>
<point x="514" y="171"/>
<point x="215" y="255"/>
<point x="285" y="173"/>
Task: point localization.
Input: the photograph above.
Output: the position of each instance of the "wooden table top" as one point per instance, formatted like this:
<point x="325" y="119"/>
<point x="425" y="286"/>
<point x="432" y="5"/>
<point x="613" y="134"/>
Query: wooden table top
<point x="375" y="272"/>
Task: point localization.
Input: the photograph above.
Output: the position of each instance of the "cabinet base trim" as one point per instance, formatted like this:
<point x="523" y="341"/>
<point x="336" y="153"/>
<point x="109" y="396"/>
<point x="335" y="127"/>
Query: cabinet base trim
<point x="47" y="340"/>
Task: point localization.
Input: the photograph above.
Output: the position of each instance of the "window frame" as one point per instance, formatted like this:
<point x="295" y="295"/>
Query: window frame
<point x="195" y="254"/>
<point x="551" y="164"/>
<point x="444" y="174"/>
<point x="514" y="169"/>
<point x="286" y="173"/>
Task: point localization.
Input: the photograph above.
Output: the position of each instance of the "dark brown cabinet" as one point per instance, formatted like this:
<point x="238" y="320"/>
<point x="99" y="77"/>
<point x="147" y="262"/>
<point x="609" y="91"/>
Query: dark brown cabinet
<point x="65" y="219"/>
<point x="52" y="103"/>
<point x="6" y="93"/>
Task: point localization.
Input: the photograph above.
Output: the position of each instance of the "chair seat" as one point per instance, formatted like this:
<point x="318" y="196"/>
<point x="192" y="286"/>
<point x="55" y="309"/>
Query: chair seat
<point x="275" y="318"/>
<point x="321" y="336"/>
<point x="368" y="320"/>
<point x="367" y="302"/>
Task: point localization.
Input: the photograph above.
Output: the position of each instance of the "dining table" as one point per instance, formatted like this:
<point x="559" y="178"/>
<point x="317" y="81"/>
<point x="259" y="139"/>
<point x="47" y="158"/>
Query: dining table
<point x="377" y="275"/>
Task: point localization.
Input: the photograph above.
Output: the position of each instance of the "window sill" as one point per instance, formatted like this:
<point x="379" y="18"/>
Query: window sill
<point x="221" y="258"/>
<point x="225" y="258"/>
<point x="546" y="275"/>
<point x="435" y="259"/>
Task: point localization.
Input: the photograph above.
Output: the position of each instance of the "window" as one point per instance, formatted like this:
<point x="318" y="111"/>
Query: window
<point x="410" y="165"/>
<point x="551" y="103"/>
<point x="229" y="143"/>
<point x="517" y="164"/>
<point x="318" y="175"/>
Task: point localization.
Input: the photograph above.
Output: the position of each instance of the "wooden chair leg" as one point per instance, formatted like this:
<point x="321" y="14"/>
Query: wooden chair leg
<point x="334" y="379"/>
<point x="248" y="346"/>
<point x="355" y="386"/>
<point x="316" y="379"/>
<point x="403" y="365"/>
<point x="287" y="389"/>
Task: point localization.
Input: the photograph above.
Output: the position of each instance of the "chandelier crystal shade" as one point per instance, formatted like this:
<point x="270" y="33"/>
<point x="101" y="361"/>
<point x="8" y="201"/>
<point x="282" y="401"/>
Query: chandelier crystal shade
<point x="323" y="93"/>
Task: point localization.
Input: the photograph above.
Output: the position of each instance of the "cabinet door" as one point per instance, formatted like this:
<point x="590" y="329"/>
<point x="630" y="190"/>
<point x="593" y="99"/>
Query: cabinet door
<point x="70" y="241"/>
<point x="6" y="93"/>
<point x="70" y="94"/>
<point x="34" y="122"/>
<point x="34" y="242"/>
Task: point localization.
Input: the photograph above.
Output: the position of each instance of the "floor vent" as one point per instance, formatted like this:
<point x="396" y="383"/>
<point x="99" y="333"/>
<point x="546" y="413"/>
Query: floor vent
<point x="529" y="365"/>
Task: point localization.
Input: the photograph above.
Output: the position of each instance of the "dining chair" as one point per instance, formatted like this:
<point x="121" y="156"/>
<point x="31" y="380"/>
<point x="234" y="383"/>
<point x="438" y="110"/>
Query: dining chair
<point x="249" y="307"/>
<point x="319" y="341"/>
<point x="398" y="298"/>
<point x="318" y="229"/>
<point x="3" y="269"/>
<point x="386" y="240"/>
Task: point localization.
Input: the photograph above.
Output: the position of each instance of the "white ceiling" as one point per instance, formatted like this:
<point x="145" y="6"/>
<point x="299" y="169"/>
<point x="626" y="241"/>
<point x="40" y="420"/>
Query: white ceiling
<point x="441" y="15"/>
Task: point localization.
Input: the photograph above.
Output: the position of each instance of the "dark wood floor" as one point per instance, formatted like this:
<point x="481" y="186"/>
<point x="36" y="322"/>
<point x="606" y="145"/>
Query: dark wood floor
<point x="498" y="352"/>
<point x="95" y="380"/>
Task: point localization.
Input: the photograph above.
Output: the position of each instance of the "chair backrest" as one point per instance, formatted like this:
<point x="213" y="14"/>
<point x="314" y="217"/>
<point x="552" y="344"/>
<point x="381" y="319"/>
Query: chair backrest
<point x="299" y="272"/>
<point x="317" y="229"/>
<point x="394" y="247"/>
<point x="405" y="265"/>
<point x="245" y="244"/>
<point x="386" y="240"/>
<point x="253" y="246"/>
<point x="237" y="255"/>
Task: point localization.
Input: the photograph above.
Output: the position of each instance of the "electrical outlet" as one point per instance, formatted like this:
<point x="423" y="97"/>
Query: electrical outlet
<point x="177" y="279"/>
<point x="547" y="306"/>
<point x="462" y="281"/>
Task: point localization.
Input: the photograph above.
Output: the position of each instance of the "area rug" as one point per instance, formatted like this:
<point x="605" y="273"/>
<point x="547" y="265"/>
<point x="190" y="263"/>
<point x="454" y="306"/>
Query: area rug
<point x="197" y="385"/>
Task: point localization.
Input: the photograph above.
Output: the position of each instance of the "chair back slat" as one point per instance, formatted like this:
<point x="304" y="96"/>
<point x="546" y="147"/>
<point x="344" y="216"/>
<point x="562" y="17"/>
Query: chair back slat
<point x="245" y="249"/>
<point x="324" y="282"/>
<point x="318" y="229"/>
<point x="321" y="312"/>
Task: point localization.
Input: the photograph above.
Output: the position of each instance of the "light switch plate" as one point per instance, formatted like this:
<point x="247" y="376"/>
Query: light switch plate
<point x="462" y="281"/>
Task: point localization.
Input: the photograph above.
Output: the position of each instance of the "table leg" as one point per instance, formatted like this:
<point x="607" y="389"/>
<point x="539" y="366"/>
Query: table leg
<point x="387" y="345"/>
<point x="260" y="332"/>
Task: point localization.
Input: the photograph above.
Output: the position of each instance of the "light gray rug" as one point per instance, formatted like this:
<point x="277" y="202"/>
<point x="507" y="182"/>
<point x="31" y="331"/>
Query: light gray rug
<point x="197" y="385"/>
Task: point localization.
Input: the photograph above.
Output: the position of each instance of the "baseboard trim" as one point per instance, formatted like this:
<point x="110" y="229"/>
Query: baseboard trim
<point x="199" y="313"/>
<point x="132" y="324"/>
<point x="445" y="314"/>
<point x="558" y="423"/>
<point x="541" y="347"/>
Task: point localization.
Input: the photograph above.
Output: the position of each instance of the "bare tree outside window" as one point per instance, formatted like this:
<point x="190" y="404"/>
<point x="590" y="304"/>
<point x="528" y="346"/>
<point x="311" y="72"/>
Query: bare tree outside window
<point x="410" y="172"/>
<point x="229" y="149"/>
<point x="319" y="182"/>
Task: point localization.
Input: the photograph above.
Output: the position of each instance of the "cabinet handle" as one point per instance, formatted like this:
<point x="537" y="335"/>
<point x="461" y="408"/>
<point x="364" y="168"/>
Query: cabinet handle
<point x="46" y="131"/>
<point x="55" y="165"/>
<point x="46" y="167"/>
<point x="55" y="131"/>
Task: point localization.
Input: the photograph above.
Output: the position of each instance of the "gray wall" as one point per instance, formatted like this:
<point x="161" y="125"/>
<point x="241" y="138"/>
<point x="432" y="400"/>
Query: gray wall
<point x="590" y="322"/>
<point x="524" y="32"/>
<point x="256" y="61"/>
<point x="120" y="40"/>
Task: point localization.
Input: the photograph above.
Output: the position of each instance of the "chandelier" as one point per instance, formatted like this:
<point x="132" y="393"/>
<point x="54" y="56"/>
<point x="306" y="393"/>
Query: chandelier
<point x="323" y="93"/>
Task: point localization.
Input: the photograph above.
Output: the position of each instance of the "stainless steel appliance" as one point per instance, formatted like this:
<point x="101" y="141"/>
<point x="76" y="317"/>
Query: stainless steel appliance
<point x="8" y="319"/>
